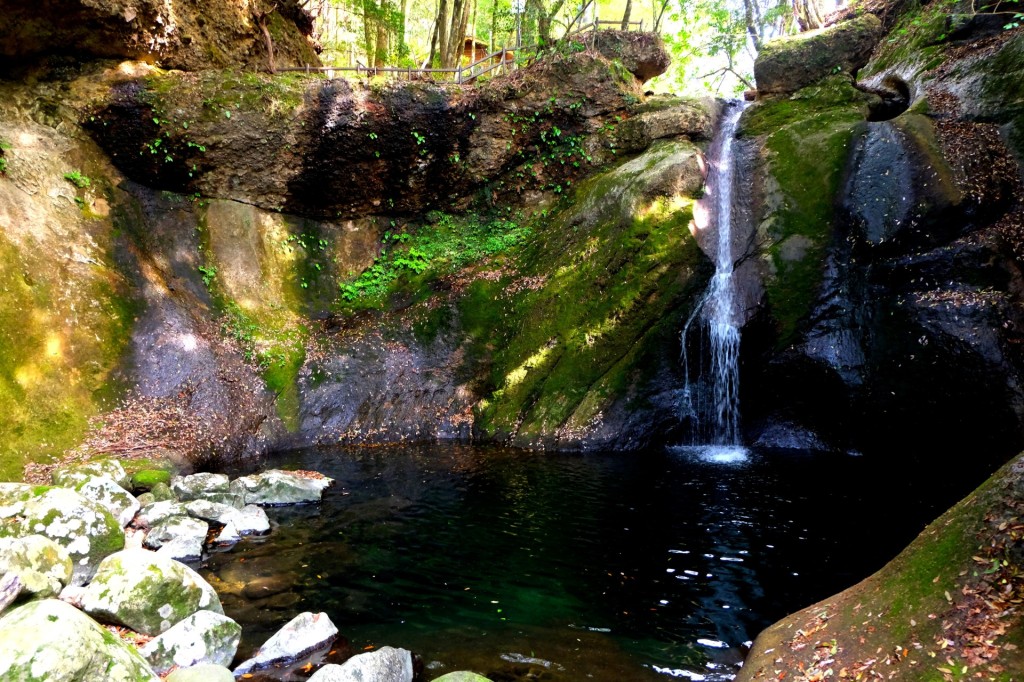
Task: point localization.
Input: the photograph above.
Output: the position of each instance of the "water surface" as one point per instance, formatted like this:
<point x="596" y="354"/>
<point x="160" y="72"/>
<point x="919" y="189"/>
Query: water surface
<point x="524" y="565"/>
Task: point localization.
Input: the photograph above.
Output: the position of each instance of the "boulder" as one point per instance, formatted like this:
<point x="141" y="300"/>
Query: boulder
<point x="147" y="592"/>
<point x="787" y="64"/>
<point x="53" y="641"/>
<point x="666" y="117"/>
<point x="276" y="487"/>
<point x="201" y="673"/>
<point x="211" y="511"/>
<point x="384" y="665"/>
<point x="172" y="528"/>
<point x="84" y="528"/>
<point x="251" y="520"/>
<point x="13" y="497"/>
<point x="152" y="514"/>
<point x="643" y="54"/>
<point x="205" y="637"/>
<point x="199" y="486"/>
<point x="305" y="633"/>
<point x="228" y="535"/>
<point x="145" y="480"/>
<point x="185" y="549"/>
<point x="105" y="468"/>
<point x="461" y="676"/>
<point x="161" y="492"/>
<point x="105" y="491"/>
<point x="43" y="567"/>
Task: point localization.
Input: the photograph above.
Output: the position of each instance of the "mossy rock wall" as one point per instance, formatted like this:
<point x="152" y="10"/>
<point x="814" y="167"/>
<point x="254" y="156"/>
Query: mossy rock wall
<point x="65" y="309"/>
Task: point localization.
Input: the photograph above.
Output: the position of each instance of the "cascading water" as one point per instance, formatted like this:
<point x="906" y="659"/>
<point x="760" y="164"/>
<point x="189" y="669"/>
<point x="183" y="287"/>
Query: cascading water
<point x="712" y="402"/>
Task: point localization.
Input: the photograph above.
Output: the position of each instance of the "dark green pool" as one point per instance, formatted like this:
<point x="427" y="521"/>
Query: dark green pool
<point x="572" y="567"/>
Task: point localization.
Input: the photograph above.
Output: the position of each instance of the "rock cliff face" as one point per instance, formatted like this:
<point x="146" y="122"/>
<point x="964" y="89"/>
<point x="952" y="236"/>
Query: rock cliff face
<point x="889" y="251"/>
<point x="225" y="220"/>
<point x="179" y="34"/>
<point x="888" y="219"/>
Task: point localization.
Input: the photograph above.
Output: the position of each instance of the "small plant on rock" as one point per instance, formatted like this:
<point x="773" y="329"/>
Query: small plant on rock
<point x="77" y="179"/>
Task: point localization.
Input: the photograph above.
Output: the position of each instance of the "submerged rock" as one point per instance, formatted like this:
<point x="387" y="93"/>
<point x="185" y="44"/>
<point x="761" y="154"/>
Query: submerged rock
<point x="387" y="664"/>
<point x="276" y="487"/>
<point x="205" y="637"/>
<point x="53" y="641"/>
<point x="304" y="633"/>
<point x="147" y="592"/>
<point x="461" y="676"/>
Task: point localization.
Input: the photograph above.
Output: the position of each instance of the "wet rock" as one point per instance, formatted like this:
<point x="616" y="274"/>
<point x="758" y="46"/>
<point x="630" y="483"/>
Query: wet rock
<point x="461" y="676"/>
<point x="211" y="511"/>
<point x="261" y="588"/>
<point x="199" y="486"/>
<point x="147" y="592"/>
<point x="201" y="673"/>
<point x="787" y="64"/>
<point x="304" y="633"/>
<point x="205" y="637"/>
<point x="84" y="528"/>
<point x="276" y="487"/>
<point x="179" y="537"/>
<point x="51" y="640"/>
<point x="386" y="664"/>
<point x="251" y="520"/>
<point x="43" y="567"/>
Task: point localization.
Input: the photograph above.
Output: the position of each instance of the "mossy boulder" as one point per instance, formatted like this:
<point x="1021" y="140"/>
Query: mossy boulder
<point x="668" y="118"/>
<point x="790" y="63"/>
<point x="43" y="566"/>
<point x="147" y="592"/>
<point x="103" y="491"/>
<point x="204" y="638"/>
<point x="199" y="486"/>
<point x="277" y="487"/>
<point x="53" y="641"/>
<point x="84" y="528"/>
<point x="109" y="468"/>
<point x="147" y="479"/>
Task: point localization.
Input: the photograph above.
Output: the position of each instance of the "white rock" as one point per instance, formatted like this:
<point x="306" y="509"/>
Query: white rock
<point x="198" y="486"/>
<point x="304" y="633"/>
<point x="277" y="487"/>
<point x="252" y="520"/>
<point x="204" y="637"/>
<point x="43" y="567"/>
<point x="384" y="665"/>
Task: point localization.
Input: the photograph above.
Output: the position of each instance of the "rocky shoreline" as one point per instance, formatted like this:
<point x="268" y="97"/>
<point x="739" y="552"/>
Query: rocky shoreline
<point x="95" y="581"/>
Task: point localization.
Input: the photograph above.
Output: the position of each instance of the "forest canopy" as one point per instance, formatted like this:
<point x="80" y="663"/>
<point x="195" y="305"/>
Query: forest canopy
<point x="712" y="42"/>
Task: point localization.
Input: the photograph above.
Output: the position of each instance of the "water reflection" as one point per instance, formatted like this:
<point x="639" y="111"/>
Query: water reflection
<point x="602" y="567"/>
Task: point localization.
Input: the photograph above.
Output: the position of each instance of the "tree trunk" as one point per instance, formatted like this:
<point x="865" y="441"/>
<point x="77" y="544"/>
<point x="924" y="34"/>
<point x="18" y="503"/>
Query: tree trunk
<point x="808" y="14"/>
<point x="748" y="13"/>
<point x="443" y="25"/>
<point x="625" y="15"/>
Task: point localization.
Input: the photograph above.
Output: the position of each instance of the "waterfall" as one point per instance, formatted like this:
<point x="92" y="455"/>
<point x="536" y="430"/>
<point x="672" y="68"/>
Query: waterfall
<point x="712" y="403"/>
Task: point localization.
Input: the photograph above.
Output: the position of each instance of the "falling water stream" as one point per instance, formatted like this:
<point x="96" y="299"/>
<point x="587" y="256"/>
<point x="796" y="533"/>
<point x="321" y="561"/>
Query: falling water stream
<point x="713" y="402"/>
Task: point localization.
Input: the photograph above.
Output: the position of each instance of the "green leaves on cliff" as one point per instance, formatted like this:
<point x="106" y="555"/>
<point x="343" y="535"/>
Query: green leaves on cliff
<point x="447" y="245"/>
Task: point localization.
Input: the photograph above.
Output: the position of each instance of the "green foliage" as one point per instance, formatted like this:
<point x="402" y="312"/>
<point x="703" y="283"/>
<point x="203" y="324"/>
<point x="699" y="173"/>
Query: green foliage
<point x="77" y="179"/>
<point x="208" y="272"/>
<point x="445" y="246"/>
<point x="4" y="146"/>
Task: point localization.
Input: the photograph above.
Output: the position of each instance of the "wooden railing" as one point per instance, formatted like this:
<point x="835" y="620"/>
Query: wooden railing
<point x="470" y="72"/>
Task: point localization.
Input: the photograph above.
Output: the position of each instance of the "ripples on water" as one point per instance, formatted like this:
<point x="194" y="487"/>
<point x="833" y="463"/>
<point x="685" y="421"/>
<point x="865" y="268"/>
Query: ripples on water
<point x="570" y="567"/>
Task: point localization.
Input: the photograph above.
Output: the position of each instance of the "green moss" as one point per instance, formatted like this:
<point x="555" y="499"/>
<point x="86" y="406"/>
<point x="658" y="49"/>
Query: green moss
<point x="55" y="363"/>
<point x="571" y="344"/>
<point x="147" y="478"/>
<point x="915" y="39"/>
<point x="807" y="142"/>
